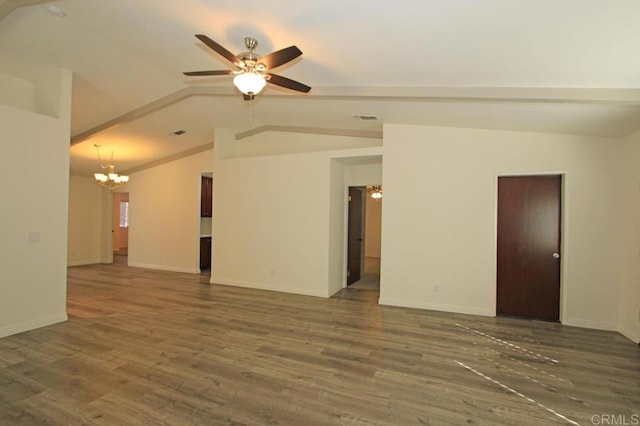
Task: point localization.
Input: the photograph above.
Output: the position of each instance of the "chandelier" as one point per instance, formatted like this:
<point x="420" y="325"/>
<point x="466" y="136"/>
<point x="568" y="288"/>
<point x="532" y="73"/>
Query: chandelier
<point x="111" y="180"/>
<point x="376" y="192"/>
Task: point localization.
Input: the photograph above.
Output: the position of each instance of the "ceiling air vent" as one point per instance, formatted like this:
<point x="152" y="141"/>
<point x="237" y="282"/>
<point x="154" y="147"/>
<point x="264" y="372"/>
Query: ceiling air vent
<point x="366" y="117"/>
<point x="179" y="132"/>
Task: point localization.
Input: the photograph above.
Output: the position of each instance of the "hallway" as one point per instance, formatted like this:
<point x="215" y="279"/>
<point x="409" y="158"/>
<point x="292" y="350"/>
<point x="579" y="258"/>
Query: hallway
<point x="370" y="278"/>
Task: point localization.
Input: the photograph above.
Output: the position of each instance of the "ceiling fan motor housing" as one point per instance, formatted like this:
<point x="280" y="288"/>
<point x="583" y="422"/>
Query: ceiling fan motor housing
<point x="251" y="43"/>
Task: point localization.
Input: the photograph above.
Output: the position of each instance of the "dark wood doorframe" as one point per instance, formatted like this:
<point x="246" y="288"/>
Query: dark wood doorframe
<point x="355" y="232"/>
<point x="529" y="228"/>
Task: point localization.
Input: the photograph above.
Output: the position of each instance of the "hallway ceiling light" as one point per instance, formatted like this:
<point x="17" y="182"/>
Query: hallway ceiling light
<point x="111" y="180"/>
<point x="376" y="192"/>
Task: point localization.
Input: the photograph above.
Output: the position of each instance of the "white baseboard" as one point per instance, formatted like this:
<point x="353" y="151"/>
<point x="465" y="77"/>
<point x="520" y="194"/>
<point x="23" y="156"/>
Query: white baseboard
<point x="33" y="324"/>
<point x="633" y="335"/>
<point x="84" y="262"/>
<point x="165" y="268"/>
<point x="596" y="325"/>
<point x="471" y="310"/>
<point x="270" y="287"/>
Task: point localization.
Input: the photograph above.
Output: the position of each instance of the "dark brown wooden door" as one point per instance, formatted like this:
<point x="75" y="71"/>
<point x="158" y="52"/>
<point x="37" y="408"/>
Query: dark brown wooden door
<point x="529" y="246"/>
<point x="354" y="239"/>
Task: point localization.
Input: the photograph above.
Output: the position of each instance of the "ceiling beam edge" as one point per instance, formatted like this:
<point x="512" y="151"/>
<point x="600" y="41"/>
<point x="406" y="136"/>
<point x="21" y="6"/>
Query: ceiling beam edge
<point x="620" y="97"/>
<point x="610" y="96"/>
<point x="169" y="159"/>
<point x="10" y="5"/>
<point x="133" y="115"/>
<point x="149" y="108"/>
<point x="373" y="134"/>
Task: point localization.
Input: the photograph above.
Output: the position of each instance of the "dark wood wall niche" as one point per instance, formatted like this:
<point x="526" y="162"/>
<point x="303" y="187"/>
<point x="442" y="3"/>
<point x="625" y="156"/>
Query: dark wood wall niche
<point x="206" y="197"/>
<point x="205" y="253"/>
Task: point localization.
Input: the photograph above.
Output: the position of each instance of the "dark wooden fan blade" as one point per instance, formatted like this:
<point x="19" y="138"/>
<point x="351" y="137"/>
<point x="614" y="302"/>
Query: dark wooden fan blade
<point x="248" y="97"/>
<point x="215" y="72"/>
<point x="288" y="83"/>
<point x="281" y="57"/>
<point x="217" y="48"/>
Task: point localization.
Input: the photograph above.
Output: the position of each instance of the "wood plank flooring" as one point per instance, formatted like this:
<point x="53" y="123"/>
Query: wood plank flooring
<point x="370" y="277"/>
<point x="149" y="347"/>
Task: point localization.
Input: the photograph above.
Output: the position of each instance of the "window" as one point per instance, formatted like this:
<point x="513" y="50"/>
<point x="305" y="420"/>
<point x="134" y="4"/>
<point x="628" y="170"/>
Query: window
<point x="124" y="214"/>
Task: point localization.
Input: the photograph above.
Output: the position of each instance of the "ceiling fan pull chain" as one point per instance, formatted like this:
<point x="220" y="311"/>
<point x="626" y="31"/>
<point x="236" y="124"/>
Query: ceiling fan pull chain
<point x="251" y="112"/>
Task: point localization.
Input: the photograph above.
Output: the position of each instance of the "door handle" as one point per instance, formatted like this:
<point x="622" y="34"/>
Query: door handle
<point x="556" y="255"/>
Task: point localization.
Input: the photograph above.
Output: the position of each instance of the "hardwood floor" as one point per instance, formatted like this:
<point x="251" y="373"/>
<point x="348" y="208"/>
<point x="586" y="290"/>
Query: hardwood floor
<point x="370" y="277"/>
<point x="148" y="347"/>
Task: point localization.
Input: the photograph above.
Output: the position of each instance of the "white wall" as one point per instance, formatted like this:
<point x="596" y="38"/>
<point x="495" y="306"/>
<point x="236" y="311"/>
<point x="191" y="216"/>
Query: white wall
<point x="270" y="223"/>
<point x="35" y="167"/>
<point x="164" y="214"/>
<point x="17" y="92"/>
<point x="363" y="171"/>
<point x="440" y="216"/>
<point x="337" y="227"/>
<point x="276" y="143"/>
<point x="33" y="87"/>
<point x="373" y="227"/>
<point x="86" y="213"/>
<point x="205" y="226"/>
<point x="630" y="259"/>
<point x="278" y="220"/>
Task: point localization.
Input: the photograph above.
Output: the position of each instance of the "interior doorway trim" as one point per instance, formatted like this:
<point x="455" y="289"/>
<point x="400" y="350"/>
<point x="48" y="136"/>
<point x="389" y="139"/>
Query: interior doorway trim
<point x="362" y="247"/>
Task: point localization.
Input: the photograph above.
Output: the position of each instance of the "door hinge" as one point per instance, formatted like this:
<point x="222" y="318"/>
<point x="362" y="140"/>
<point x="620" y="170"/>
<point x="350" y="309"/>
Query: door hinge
<point x="348" y="273"/>
<point x="349" y="198"/>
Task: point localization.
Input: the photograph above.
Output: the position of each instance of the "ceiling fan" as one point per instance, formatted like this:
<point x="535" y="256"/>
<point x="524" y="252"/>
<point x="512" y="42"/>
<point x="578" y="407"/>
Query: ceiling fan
<point x="253" y="70"/>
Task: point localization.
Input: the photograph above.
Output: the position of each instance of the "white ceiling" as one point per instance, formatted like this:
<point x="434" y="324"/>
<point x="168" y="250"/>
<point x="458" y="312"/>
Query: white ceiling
<point x="568" y="66"/>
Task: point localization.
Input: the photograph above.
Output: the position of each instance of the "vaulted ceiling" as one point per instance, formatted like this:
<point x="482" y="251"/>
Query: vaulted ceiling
<point x="567" y="66"/>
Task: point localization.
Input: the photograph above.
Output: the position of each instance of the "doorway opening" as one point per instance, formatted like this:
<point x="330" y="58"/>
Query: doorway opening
<point x="364" y="238"/>
<point x="120" y="230"/>
<point x="528" y="246"/>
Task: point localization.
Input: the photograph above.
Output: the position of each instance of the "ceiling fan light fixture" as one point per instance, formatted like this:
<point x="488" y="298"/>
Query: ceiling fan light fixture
<point x="253" y="71"/>
<point x="376" y="192"/>
<point x="249" y="83"/>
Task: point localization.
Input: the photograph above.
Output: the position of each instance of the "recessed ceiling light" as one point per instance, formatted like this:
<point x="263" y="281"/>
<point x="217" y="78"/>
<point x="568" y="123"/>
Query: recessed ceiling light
<point x="364" y="117"/>
<point x="55" y="11"/>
